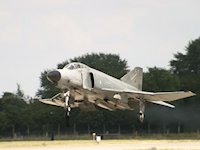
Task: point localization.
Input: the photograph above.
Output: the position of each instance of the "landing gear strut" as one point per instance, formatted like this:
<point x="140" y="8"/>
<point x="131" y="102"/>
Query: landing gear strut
<point x="67" y="107"/>
<point x="141" y="112"/>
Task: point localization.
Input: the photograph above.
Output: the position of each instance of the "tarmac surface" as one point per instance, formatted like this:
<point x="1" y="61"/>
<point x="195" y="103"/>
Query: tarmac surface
<point x="103" y="145"/>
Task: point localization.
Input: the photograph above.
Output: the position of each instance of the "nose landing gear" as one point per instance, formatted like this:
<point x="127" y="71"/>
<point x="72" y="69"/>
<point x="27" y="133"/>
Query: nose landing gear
<point x="67" y="107"/>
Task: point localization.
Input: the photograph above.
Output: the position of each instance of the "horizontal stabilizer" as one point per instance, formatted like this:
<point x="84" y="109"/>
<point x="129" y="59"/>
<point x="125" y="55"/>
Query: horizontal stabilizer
<point x="163" y="103"/>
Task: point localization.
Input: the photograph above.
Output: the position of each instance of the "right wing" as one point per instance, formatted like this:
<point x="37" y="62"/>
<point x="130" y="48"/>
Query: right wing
<point x="57" y="100"/>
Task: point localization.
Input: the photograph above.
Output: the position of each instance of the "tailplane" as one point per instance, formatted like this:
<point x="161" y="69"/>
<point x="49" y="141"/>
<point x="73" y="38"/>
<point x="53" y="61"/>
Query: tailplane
<point x="134" y="78"/>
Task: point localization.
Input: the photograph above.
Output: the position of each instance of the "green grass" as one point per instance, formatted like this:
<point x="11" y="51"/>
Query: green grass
<point x="181" y="136"/>
<point x="185" y="136"/>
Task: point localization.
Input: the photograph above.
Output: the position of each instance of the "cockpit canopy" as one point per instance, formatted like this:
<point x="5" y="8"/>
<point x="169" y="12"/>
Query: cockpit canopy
<point x="75" y="65"/>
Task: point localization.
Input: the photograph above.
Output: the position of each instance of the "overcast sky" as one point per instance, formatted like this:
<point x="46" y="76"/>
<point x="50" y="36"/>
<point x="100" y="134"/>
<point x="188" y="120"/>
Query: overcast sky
<point x="38" y="34"/>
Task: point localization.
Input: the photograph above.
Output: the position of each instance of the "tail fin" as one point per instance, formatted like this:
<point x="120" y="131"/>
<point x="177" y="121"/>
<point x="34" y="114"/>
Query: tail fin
<point x="134" y="78"/>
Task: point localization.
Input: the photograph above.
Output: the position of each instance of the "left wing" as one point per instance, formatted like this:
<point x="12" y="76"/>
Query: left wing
<point x="152" y="97"/>
<point x="168" y="96"/>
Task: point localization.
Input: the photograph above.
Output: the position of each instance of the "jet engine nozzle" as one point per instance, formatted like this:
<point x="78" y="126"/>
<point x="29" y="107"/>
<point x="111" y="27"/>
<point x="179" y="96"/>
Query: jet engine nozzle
<point x="54" y="76"/>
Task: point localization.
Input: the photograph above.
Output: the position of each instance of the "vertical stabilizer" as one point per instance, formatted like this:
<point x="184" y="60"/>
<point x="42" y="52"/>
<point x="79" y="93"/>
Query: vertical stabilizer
<point x="134" y="78"/>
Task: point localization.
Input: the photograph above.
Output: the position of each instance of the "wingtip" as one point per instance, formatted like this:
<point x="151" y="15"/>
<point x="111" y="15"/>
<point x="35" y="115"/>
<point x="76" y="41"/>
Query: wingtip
<point x="192" y="94"/>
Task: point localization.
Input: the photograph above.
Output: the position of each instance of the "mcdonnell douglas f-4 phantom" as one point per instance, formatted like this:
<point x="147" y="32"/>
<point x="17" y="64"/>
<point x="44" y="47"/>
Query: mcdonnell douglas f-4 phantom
<point x="86" y="88"/>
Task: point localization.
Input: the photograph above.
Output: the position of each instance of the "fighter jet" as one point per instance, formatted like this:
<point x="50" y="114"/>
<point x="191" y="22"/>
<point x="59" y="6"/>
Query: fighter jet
<point x="87" y="88"/>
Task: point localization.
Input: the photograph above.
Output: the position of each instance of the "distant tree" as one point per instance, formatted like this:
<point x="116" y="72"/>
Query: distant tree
<point x="12" y="113"/>
<point x="158" y="79"/>
<point x="187" y="67"/>
<point x="189" y="62"/>
<point x="19" y="92"/>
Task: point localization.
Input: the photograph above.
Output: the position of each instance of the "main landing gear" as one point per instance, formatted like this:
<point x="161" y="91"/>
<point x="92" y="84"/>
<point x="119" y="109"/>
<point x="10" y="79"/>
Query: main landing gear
<point x="140" y="115"/>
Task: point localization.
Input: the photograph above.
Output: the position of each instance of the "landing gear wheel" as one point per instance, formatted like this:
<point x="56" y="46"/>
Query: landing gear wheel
<point x="141" y="112"/>
<point x="140" y="117"/>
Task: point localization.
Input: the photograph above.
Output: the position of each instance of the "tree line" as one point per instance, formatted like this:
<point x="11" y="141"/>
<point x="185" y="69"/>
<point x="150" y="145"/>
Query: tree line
<point x="22" y="116"/>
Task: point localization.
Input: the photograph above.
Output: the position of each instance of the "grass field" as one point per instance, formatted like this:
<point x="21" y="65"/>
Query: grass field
<point x="103" y="145"/>
<point x="180" y="136"/>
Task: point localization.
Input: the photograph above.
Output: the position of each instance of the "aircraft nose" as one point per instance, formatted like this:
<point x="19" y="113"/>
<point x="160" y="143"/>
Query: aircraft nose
<point x="54" y="76"/>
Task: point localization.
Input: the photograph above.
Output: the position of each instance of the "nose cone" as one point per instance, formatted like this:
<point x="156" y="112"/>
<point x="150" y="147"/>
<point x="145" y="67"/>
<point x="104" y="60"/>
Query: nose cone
<point x="54" y="76"/>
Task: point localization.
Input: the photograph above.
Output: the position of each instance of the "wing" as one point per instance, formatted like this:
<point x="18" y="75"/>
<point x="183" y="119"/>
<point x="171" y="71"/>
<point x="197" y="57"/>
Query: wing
<point x="168" y="96"/>
<point x="57" y="100"/>
<point x="151" y="96"/>
<point x="157" y="98"/>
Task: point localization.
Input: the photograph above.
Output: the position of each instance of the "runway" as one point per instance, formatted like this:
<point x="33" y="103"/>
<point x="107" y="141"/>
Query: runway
<point x="103" y="145"/>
